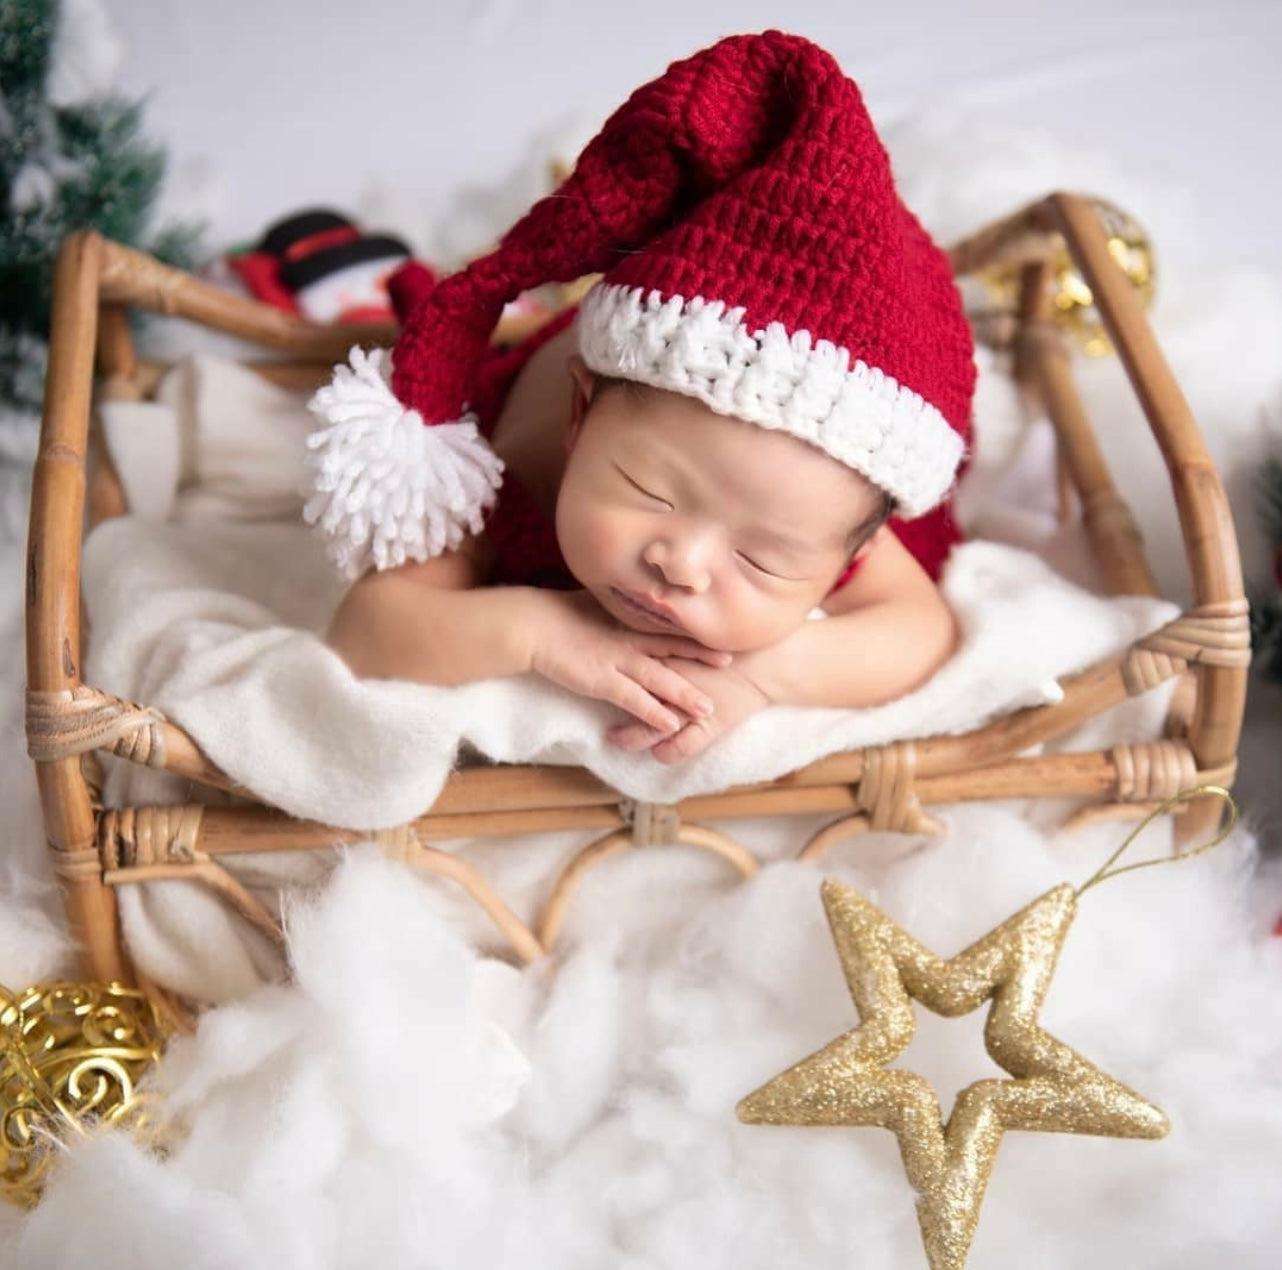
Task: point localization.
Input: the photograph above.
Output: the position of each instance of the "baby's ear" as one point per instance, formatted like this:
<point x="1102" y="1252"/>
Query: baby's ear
<point x="583" y="385"/>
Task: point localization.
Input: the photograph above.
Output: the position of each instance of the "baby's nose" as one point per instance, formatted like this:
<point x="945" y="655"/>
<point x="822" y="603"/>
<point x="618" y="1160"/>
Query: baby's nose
<point x="679" y="564"/>
<point x="673" y="564"/>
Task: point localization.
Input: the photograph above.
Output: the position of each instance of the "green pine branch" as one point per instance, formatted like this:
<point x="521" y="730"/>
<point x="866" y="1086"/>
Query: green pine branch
<point x="1266" y="600"/>
<point x="62" y="170"/>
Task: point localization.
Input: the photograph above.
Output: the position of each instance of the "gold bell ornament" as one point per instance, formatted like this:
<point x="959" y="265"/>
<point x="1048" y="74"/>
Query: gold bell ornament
<point x="1073" y="306"/>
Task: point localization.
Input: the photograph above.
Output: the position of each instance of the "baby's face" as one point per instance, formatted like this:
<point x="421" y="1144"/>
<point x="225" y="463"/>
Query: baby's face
<point x="724" y="531"/>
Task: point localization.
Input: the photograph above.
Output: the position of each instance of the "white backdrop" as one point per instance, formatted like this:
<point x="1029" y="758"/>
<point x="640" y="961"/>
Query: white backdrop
<point x="274" y="106"/>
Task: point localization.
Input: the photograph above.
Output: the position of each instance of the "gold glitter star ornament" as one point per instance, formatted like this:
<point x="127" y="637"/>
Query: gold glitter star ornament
<point x="1053" y="1088"/>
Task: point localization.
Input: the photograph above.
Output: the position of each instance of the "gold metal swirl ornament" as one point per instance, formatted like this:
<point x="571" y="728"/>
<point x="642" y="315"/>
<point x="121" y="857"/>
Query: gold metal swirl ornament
<point x="1053" y="1089"/>
<point x="71" y="1057"/>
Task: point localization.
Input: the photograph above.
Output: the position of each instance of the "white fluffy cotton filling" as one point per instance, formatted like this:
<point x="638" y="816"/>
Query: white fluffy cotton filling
<point x="781" y="380"/>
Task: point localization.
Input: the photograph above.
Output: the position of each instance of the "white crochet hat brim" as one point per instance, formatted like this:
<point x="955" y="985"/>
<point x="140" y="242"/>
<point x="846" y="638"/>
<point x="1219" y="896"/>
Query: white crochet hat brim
<point x="780" y="379"/>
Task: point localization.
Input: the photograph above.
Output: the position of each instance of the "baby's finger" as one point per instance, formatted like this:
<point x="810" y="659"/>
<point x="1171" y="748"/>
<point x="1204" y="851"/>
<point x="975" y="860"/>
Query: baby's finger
<point x="670" y="685"/>
<point x="634" y="736"/>
<point x="630" y="696"/>
<point x="693" y="739"/>
<point x="674" y="646"/>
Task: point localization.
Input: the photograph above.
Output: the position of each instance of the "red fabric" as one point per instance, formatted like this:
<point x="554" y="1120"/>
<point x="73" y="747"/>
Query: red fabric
<point x="751" y="174"/>
<point x="365" y="313"/>
<point x="524" y="539"/>
<point x="408" y="286"/>
<point x="260" y="272"/>
<point x="929" y="538"/>
<point x="322" y="238"/>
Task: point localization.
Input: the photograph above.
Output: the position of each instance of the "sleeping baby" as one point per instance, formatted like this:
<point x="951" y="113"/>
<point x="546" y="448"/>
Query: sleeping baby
<point x="755" y="416"/>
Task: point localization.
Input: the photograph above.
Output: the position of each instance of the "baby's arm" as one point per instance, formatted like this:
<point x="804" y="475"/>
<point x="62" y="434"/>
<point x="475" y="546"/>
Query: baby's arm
<point x="888" y="630"/>
<point x="863" y="657"/>
<point x="429" y="623"/>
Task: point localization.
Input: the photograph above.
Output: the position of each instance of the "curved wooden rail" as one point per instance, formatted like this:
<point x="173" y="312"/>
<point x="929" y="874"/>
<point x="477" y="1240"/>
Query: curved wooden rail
<point x="1206" y="524"/>
<point x="550" y="919"/>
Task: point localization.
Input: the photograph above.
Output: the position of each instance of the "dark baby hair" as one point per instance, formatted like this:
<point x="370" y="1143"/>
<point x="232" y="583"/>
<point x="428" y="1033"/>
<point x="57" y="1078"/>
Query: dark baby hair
<point x="879" y="515"/>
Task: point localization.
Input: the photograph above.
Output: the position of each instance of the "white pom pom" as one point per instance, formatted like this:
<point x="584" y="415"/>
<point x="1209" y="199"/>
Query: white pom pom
<point x="389" y="488"/>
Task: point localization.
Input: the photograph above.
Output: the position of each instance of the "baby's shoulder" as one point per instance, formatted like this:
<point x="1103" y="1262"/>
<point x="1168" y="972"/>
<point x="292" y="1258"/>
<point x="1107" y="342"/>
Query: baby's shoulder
<point x="886" y="570"/>
<point x="539" y="392"/>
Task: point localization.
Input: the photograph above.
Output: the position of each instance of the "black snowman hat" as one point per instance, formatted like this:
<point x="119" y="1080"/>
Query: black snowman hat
<point x="316" y="243"/>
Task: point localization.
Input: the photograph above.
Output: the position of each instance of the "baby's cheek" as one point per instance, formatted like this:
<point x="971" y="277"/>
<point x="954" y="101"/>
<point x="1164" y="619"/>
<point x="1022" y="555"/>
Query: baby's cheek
<point x="594" y="539"/>
<point x="756" y="619"/>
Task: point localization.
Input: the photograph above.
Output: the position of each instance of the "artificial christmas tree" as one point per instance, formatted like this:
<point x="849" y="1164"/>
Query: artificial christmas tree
<point x="1266" y="597"/>
<point x="72" y="156"/>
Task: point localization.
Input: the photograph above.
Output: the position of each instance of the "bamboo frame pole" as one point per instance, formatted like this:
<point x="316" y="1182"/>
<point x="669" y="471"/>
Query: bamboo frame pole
<point x="53" y="598"/>
<point x="116" y="358"/>
<point x="532" y="788"/>
<point x="1042" y="361"/>
<point x="1209" y="537"/>
<point x="1022" y="237"/>
<point x="552" y="913"/>
<point x="1117" y="544"/>
<point x="118" y="369"/>
<point x="238" y="830"/>
<point x="132" y="277"/>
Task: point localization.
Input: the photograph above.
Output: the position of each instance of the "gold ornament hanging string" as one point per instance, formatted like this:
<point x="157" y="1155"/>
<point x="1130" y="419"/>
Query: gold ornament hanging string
<point x="1053" y="1089"/>
<point x="1103" y="873"/>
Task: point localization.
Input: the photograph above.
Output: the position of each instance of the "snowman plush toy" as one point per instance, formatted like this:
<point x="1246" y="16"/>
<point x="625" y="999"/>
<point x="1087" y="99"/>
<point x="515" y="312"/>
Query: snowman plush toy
<point x="318" y="264"/>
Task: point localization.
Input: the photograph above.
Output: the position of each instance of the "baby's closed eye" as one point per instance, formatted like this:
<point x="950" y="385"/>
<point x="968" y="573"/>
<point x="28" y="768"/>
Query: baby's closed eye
<point x="759" y="564"/>
<point x="642" y="489"/>
<point x="770" y="572"/>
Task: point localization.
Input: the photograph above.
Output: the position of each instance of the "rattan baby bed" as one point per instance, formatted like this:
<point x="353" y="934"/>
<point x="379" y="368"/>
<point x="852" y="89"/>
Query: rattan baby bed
<point x="96" y="849"/>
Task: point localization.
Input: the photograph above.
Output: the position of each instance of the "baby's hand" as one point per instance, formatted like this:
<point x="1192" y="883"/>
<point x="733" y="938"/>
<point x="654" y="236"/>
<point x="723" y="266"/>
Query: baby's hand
<point x="734" y="696"/>
<point x="576" y="644"/>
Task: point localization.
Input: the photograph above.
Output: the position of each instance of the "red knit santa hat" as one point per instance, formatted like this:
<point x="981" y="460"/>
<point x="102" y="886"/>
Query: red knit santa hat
<point x="756" y="256"/>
